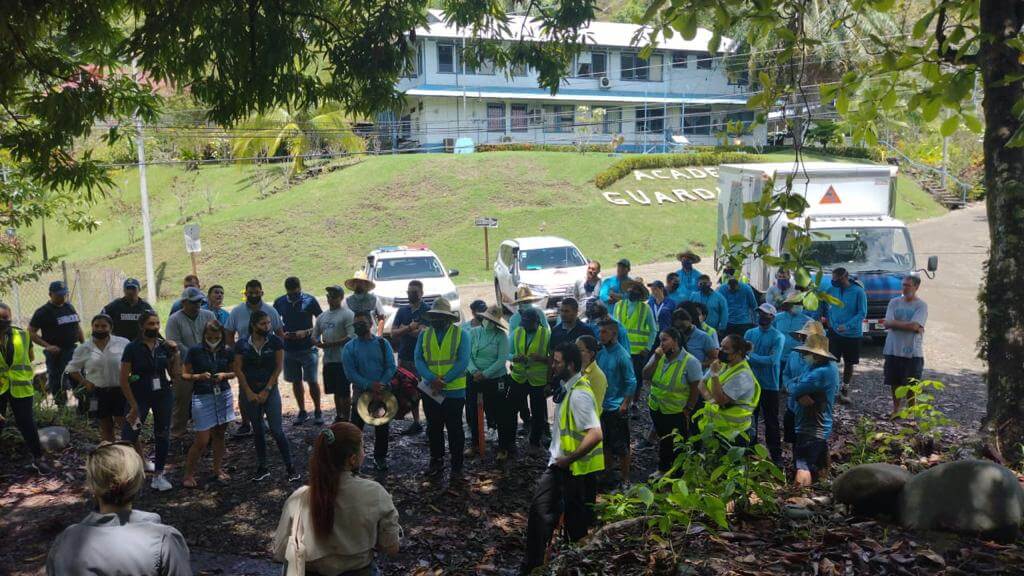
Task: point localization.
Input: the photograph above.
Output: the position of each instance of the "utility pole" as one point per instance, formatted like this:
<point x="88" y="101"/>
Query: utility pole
<point x="147" y="237"/>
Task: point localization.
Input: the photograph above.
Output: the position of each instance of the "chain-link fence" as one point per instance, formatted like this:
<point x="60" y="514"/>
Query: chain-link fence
<point x="89" y="289"/>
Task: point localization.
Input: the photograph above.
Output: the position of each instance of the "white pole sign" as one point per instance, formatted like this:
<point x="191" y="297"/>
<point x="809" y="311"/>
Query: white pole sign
<point x="192" y="242"/>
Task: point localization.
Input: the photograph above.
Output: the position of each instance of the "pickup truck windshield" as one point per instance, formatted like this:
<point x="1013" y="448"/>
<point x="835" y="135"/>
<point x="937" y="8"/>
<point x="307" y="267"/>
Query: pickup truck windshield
<point x="545" y="258"/>
<point x="408" y="268"/>
<point x="863" y="249"/>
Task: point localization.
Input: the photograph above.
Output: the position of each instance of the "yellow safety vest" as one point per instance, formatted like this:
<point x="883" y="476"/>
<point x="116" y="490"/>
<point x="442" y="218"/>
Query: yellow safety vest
<point x="536" y="373"/>
<point x="570" y="437"/>
<point x="18" y="375"/>
<point x="669" y="389"/>
<point x="711" y="331"/>
<point x="731" y="421"/>
<point x="637" y="328"/>
<point x="441" y="357"/>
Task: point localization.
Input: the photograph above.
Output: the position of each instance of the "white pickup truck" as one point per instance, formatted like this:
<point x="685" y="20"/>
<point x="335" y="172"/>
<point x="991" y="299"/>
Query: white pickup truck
<point x="549" y="265"/>
<point x="392" y="267"/>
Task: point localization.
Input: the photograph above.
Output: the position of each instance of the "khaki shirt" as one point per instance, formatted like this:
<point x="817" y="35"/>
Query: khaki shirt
<point x="365" y="518"/>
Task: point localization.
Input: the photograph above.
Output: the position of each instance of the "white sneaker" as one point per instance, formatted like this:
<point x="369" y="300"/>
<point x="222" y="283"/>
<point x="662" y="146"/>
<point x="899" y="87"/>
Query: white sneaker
<point x="161" y="484"/>
<point x="149" y="466"/>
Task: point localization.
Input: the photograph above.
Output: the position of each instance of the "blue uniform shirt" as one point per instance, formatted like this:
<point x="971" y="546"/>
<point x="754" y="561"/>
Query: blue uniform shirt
<point x="787" y="323"/>
<point x="741" y="303"/>
<point x="560" y="335"/>
<point x="718" y="308"/>
<point x="258" y="365"/>
<point x="202" y="359"/>
<point x="699" y="344"/>
<point x="609" y="285"/>
<point x="617" y="366"/>
<point x="220" y="313"/>
<point x="792" y="370"/>
<point x="766" y="355"/>
<point x="368" y="361"/>
<point x="850" y="316"/>
<point x="688" y="280"/>
<point x="821" y="382"/>
<point x="403" y="317"/>
<point x="298" y="315"/>
<point x="662" y="312"/>
<point x="623" y="335"/>
<point x="456" y="371"/>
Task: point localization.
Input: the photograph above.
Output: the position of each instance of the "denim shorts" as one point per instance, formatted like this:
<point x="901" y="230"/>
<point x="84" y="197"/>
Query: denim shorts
<point x="212" y="410"/>
<point x="301" y="365"/>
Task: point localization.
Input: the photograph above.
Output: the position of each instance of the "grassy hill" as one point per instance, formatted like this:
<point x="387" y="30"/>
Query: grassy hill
<point x="322" y="228"/>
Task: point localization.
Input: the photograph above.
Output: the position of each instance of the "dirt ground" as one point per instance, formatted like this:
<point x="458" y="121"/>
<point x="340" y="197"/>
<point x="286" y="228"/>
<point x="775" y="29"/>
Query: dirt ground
<point x="477" y="527"/>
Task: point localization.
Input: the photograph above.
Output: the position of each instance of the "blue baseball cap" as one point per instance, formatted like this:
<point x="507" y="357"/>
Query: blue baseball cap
<point x="192" y="294"/>
<point x="132" y="283"/>
<point x="59" y="288"/>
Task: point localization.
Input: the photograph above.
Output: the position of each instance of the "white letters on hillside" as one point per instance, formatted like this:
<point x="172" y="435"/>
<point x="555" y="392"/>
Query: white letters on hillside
<point x="649" y="197"/>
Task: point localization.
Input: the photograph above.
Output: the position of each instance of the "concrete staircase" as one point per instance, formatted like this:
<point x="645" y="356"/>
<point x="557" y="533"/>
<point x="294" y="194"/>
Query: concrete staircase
<point x="952" y="195"/>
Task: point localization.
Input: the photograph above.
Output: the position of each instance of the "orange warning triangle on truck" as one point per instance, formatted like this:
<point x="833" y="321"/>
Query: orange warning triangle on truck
<point x="830" y="197"/>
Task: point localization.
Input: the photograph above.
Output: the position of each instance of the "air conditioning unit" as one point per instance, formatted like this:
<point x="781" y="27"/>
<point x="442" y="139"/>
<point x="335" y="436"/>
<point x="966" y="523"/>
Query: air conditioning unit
<point x="604" y="82"/>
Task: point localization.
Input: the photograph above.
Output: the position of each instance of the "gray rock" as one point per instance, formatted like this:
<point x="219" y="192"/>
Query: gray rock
<point x="871" y="488"/>
<point x="54" y="438"/>
<point x="969" y="497"/>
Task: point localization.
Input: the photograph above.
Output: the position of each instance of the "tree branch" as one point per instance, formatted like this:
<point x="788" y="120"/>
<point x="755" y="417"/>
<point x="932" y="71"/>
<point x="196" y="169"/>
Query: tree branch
<point x="949" y="54"/>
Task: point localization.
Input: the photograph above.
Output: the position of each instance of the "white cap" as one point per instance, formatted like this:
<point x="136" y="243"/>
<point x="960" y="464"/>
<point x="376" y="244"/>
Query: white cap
<point x="767" y="309"/>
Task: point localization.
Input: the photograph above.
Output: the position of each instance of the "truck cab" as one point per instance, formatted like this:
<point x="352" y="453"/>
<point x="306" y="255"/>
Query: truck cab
<point x="850" y="214"/>
<point x="549" y="265"/>
<point x="392" y="267"/>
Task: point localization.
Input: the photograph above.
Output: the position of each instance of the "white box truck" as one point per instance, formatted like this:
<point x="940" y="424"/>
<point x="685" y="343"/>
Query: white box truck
<point x="851" y="207"/>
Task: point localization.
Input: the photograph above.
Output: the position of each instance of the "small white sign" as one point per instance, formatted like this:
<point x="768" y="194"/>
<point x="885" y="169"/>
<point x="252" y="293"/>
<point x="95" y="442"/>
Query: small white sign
<point x="192" y="242"/>
<point x="486" y="222"/>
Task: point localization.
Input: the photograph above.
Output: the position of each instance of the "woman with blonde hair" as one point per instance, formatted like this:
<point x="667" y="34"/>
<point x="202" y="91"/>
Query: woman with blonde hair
<point x="336" y="523"/>
<point x="118" y="539"/>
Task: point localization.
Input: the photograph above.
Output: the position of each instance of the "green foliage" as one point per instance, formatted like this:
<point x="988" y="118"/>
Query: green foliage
<point x="707" y="476"/>
<point x="624" y="167"/>
<point x="528" y="147"/>
<point x="825" y="133"/>
<point x="919" y="408"/>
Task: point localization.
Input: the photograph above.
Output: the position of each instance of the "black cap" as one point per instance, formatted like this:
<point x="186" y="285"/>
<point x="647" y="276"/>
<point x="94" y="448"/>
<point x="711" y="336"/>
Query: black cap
<point x="335" y="289"/>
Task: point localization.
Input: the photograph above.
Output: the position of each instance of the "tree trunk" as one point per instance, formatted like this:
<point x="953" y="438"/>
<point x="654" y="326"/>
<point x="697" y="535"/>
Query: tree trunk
<point x="1002" y="298"/>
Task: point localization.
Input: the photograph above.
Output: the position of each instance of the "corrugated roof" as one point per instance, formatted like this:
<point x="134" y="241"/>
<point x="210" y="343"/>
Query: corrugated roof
<point x="595" y="33"/>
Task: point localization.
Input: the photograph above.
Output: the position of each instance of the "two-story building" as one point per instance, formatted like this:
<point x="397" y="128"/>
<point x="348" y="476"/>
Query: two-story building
<point x="679" y="94"/>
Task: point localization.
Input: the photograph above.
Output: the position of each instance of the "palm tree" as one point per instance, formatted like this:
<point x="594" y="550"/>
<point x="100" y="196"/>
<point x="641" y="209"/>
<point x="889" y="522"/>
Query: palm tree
<point x="297" y="133"/>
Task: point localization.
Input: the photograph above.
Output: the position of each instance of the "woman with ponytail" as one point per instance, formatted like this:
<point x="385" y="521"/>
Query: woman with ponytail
<point x="334" y="526"/>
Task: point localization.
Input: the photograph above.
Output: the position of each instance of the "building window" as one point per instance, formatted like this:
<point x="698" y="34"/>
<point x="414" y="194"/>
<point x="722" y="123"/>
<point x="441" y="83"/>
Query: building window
<point x="559" y="118"/>
<point x="496" y="117"/>
<point x="415" y="67"/>
<point x="650" y="120"/>
<point x="520" y="119"/>
<point x="636" y="68"/>
<point x="592" y="65"/>
<point x="446" y="58"/>
<point x="679" y="59"/>
<point x="612" y="121"/>
<point x="705" y="60"/>
<point x="697" y="120"/>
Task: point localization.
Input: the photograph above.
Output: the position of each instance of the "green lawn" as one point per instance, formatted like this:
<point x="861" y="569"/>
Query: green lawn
<point x="321" y="229"/>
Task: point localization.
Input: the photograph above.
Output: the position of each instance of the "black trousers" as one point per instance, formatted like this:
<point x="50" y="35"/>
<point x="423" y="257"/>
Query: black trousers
<point x="639" y="361"/>
<point x="664" y="426"/>
<point x="24" y="419"/>
<point x="558" y="491"/>
<point x="447" y="415"/>
<point x="380" y="433"/>
<point x="768" y="410"/>
<point x="518" y="394"/>
<point x="485" y="391"/>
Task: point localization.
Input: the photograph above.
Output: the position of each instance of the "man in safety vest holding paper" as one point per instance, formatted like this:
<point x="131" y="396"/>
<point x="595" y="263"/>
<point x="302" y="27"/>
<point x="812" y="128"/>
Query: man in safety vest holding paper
<point x="16" y="390"/>
<point x="569" y="485"/>
<point x="528" y="374"/>
<point x="637" y="318"/>
<point x="442" y="356"/>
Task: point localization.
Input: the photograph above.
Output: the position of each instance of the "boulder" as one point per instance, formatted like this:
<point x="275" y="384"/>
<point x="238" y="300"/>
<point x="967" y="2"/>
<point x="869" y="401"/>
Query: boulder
<point x="974" y="497"/>
<point x="54" y="438"/>
<point x="871" y="488"/>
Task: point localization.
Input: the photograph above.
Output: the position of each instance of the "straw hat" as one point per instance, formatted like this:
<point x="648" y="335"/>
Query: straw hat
<point x="494" y="314"/>
<point x="811" y="327"/>
<point x="816" y="344"/>
<point x="377" y="412"/>
<point x="688" y="253"/>
<point x="637" y="281"/>
<point x="442" y="307"/>
<point x="359" y="279"/>
<point x="525" y="295"/>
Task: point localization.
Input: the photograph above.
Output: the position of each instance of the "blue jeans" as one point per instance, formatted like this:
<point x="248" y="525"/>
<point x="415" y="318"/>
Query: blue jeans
<point x="161" y="402"/>
<point x="55" y="378"/>
<point x="272" y="410"/>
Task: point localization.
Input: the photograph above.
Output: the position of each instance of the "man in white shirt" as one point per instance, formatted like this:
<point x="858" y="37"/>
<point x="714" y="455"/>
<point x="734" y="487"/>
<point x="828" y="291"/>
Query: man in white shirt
<point x="569" y="484"/>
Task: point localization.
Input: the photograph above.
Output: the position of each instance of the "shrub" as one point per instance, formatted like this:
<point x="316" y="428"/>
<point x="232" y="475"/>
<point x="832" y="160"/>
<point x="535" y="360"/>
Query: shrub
<point x="528" y="147"/>
<point x="624" y="167"/>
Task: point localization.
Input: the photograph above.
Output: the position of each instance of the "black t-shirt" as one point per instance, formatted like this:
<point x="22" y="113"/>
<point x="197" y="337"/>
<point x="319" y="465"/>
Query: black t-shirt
<point x="202" y="359"/>
<point x="147" y="365"/>
<point x="126" y="317"/>
<point x="58" y="324"/>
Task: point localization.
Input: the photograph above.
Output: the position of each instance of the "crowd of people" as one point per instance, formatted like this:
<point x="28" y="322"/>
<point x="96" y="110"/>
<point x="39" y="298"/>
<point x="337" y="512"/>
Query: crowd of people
<point x="677" y="343"/>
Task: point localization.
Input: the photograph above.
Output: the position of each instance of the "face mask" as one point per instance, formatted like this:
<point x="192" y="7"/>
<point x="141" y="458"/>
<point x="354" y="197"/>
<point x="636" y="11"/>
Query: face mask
<point x="5" y="325"/>
<point x="783" y="284"/>
<point x="705" y="287"/>
<point x="253" y="300"/>
<point x="764" y="321"/>
<point x="152" y="333"/>
<point x="687" y="265"/>
<point x="213" y="343"/>
<point x="413" y="296"/>
<point x="439" y="325"/>
<point x="634" y="296"/>
<point x="100" y="335"/>
<point x="361" y="328"/>
<point x="294" y="297"/>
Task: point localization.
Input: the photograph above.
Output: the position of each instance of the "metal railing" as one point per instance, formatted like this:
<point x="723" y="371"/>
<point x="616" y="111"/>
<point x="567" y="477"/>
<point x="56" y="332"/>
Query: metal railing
<point x="940" y="173"/>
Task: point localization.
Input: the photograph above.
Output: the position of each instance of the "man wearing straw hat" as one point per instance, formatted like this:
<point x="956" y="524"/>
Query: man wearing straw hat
<point x="362" y="299"/>
<point x="526" y="299"/>
<point x="792" y="369"/>
<point x="815" y="393"/>
<point x="528" y="376"/>
<point x="688" y="275"/>
<point x="442" y="357"/>
<point x="487" y="356"/>
<point x="369" y="364"/>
